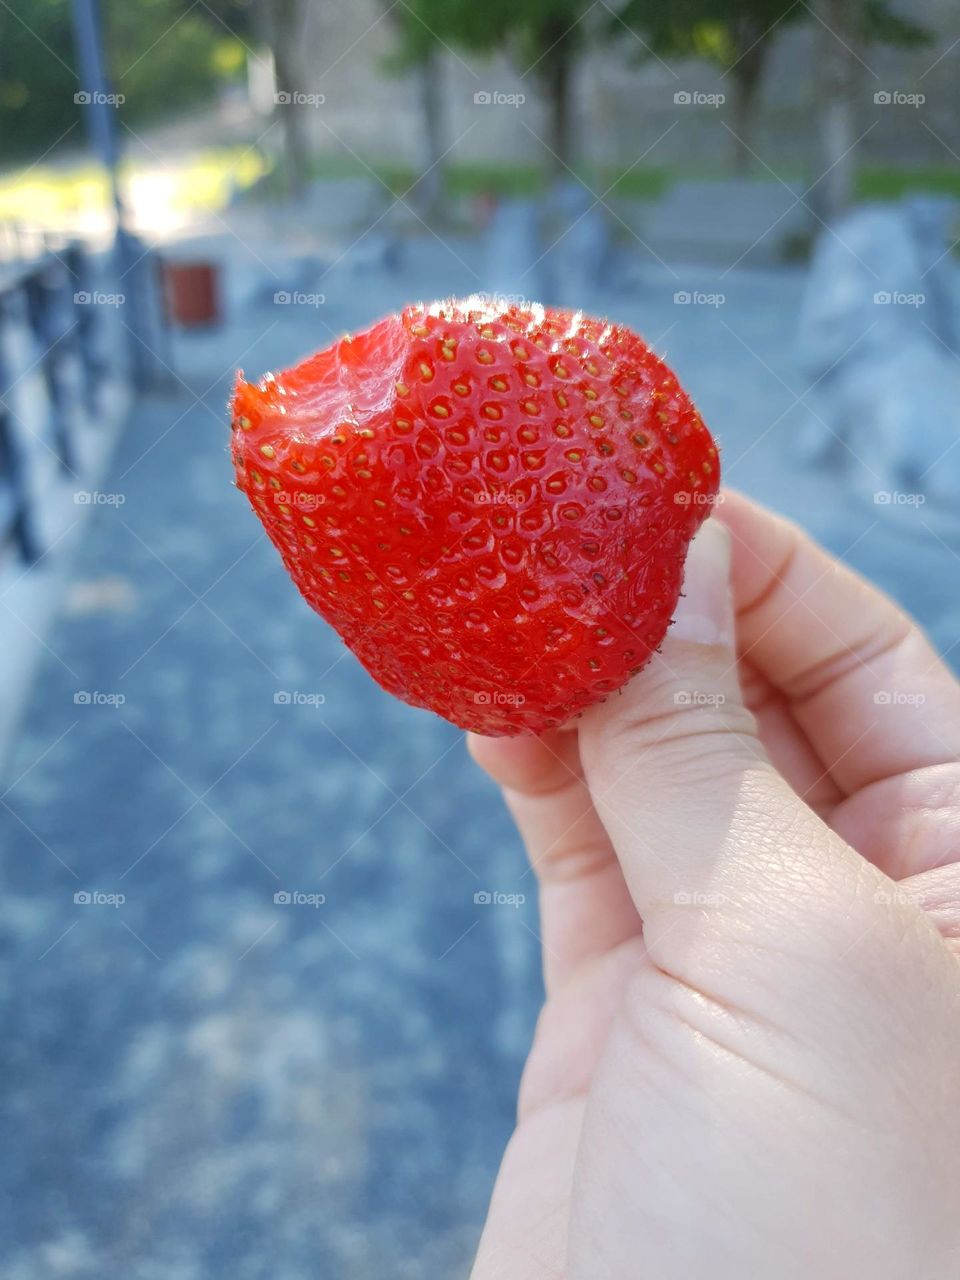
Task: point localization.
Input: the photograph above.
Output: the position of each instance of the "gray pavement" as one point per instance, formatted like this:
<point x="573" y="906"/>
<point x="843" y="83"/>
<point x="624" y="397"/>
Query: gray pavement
<point x="203" y="1081"/>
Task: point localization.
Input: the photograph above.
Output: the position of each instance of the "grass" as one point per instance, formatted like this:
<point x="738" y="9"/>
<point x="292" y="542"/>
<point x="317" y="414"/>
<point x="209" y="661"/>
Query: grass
<point x="874" y="182"/>
<point x="52" y="195"/>
<point x="490" y="179"/>
<point x="640" y="184"/>
<point x="878" y="183"/>
<point x="461" y="180"/>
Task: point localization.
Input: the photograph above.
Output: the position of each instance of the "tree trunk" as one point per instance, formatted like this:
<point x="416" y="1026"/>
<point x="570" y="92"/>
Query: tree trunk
<point x="296" y="148"/>
<point x="428" y="190"/>
<point x="557" y="76"/>
<point x="280" y="23"/>
<point x="840" y="35"/>
<point x="835" y="192"/>
<point x="747" y="75"/>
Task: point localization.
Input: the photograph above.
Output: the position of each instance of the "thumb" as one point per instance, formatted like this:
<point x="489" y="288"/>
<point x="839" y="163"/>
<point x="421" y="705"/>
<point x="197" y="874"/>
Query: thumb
<point x="697" y="814"/>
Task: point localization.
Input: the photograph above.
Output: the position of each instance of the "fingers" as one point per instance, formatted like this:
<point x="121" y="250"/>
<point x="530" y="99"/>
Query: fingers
<point x="937" y="892"/>
<point x="861" y="679"/>
<point x="525" y="1237"/>
<point x="787" y="746"/>
<point x="585" y="908"/>
<point x="908" y="824"/>
<point x="708" y="833"/>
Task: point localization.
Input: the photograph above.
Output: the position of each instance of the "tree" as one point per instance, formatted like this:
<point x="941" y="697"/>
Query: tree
<point x="551" y="36"/>
<point x="544" y="38"/>
<point x="419" y="50"/>
<point x="847" y="29"/>
<point x="149" y="48"/>
<point x="735" y="35"/>
<point x="279" y="26"/>
<point x="738" y="36"/>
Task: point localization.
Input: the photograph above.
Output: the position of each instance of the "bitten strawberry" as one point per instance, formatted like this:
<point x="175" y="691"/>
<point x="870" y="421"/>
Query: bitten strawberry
<point x="492" y="504"/>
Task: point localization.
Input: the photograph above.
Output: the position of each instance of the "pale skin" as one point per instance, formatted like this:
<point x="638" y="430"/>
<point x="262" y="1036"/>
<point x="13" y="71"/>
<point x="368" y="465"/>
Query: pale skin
<point x="748" y="1063"/>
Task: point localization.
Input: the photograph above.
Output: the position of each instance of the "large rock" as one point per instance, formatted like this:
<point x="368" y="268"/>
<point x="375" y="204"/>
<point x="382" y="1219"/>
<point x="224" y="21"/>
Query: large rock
<point x="885" y="389"/>
<point x="866" y="288"/>
<point x="899" y="417"/>
<point x="934" y="223"/>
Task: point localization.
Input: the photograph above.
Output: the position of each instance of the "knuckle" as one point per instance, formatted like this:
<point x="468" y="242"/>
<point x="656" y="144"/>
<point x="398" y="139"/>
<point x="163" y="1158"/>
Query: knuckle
<point x="683" y="721"/>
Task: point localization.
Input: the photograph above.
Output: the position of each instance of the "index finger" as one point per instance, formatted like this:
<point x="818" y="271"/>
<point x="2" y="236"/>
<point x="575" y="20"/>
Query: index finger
<point x="585" y="908"/>
<point x="861" y="678"/>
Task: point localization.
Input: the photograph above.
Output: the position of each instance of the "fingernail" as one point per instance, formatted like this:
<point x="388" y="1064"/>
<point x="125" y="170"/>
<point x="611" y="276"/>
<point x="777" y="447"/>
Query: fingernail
<point x="705" y="610"/>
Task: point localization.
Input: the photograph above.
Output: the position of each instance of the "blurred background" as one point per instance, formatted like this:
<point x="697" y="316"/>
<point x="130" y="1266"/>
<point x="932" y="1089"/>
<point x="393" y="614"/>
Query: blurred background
<point x="268" y="945"/>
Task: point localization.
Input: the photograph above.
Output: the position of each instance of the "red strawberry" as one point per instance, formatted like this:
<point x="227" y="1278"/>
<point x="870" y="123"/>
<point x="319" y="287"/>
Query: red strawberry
<point x="491" y="504"/>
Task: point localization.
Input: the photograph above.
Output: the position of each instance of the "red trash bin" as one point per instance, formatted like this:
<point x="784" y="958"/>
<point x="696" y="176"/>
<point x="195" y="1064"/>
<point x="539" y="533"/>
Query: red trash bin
<point x="191" y="293"/>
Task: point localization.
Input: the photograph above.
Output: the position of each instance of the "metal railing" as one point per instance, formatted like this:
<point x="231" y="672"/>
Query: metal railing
<point x="66" y="345"/>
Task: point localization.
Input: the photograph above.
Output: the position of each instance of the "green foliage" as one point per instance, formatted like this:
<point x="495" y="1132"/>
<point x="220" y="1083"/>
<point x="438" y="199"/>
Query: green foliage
<point x="878" y="182"/>
<point x="884" y="26"/>
<point x="415" y="24"/>
<point x="529" y="29"/>
<point x="725" y="31"/>
<point x="161" y="54"/>
<point x="36" y="81"/>
<point x="719" y="30"/>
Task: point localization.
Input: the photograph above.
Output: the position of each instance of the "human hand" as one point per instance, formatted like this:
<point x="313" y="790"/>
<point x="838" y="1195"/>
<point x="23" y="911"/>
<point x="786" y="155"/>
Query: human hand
<point x="748" y="1063"/>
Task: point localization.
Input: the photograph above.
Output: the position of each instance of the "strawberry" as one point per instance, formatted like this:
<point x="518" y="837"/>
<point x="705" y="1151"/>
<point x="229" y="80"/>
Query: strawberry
<point x="491" y="503"/>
